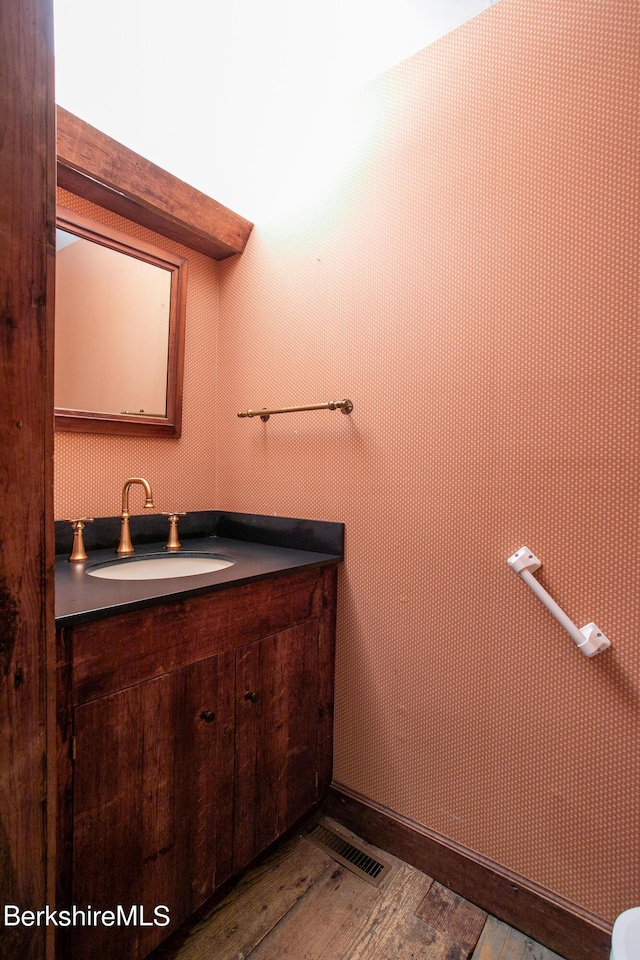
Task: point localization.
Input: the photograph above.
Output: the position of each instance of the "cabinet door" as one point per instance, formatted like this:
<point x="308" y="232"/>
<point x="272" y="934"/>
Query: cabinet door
<point x="151" y="804"/>
<point x="277" y="701"/>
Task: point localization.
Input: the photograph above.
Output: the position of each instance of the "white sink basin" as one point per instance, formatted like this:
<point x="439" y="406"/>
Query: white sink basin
<point x="161" y="567"/>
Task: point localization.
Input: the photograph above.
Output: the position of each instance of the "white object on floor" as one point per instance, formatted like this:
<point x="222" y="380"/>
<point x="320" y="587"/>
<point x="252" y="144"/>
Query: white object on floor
<point x="625" y="940"/>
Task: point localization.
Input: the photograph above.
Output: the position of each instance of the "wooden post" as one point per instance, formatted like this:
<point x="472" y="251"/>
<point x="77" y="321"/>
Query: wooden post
<point x="27" y="236"/>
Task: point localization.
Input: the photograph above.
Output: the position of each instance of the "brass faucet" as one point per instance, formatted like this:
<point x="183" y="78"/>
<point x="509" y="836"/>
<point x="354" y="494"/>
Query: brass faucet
<point x="78" y="553"/>
<point x="173" y="543"/>
<point x="125" y="546"/>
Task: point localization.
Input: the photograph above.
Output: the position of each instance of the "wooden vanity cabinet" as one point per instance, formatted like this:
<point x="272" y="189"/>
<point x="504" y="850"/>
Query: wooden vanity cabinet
<point x="176" y="780"/>
<point x="149" y="787"/>
<point x="276" y="749"/>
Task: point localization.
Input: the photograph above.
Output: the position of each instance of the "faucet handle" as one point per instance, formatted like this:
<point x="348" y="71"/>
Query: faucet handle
<point x="78" y="553"/>
<point x="173" y="543"/>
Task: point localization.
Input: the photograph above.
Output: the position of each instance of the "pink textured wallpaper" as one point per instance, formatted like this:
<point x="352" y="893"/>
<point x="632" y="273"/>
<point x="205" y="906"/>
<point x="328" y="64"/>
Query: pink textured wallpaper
<point x="471" y="283"/>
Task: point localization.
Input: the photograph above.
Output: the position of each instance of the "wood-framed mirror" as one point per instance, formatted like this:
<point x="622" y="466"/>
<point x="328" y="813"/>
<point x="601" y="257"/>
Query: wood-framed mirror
<point x="119" y="338"/>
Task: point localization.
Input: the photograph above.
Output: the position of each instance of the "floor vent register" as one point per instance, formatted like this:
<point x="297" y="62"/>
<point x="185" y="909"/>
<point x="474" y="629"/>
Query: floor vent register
<point x="348" y="853"/>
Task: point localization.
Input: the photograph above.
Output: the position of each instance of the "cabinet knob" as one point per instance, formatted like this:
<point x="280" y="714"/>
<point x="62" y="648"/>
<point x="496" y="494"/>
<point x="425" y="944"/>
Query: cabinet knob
<point x="208" y="716"/>
<point x="253" y="697"/>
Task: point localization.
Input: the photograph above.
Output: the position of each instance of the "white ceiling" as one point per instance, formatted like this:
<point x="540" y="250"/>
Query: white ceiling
<point x="223" y="94"/>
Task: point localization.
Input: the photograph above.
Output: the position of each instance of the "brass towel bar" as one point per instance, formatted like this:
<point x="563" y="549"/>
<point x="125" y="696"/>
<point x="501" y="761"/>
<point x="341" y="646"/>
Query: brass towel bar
<point x="345" y="405"/>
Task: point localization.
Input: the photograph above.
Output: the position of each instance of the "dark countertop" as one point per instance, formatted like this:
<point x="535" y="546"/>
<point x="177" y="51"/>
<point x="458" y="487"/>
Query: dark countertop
<point x="81" y="598"/>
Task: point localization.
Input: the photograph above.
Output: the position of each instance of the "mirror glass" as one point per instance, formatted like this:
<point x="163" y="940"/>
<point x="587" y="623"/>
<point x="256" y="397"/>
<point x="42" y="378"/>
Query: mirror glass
<point x="119" y="332"/>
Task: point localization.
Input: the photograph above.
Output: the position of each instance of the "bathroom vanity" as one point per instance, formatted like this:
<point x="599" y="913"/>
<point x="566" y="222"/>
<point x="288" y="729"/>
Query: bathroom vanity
<point x="194" y="728"/>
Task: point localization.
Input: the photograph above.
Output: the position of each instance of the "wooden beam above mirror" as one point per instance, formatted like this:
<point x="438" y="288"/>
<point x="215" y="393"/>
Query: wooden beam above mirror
<point x="101" y="170"/>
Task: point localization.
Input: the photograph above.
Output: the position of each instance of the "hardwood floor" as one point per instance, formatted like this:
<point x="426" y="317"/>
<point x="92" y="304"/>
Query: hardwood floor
<point x="301" y="904"/>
